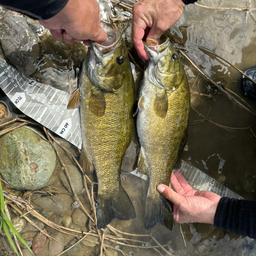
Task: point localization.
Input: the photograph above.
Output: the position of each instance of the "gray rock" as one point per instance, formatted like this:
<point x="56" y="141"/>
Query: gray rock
<point x="67" y="220"/>
<point x="57" y="203"/>
<point x="75" y="177"/>
<point x="26" y="160"/>
<point x="19" y="43"/>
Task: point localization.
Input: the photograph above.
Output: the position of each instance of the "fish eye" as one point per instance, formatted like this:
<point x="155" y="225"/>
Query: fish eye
<point x="174" y="56"/>
<point x="120" y="60"/>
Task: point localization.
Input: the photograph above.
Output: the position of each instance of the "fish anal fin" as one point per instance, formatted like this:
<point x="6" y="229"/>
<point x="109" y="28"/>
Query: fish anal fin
<point x="139" y="105"/>
<point x="158" y="210"/>
<point x="161" y="103"/>
<point x="119" y="207"/>
<point x="97" y="102"/>
<point x="74" y="101"/>
<point x="85" y="162"/>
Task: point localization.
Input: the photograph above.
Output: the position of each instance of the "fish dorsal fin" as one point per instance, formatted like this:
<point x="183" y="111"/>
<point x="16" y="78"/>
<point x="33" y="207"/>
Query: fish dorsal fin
<point x="85" y="162"/>
<point x="142" y="167"/>
<point x="161" y="103"/>
<point x="97" y="102"/>
<point x="74" y="101"/>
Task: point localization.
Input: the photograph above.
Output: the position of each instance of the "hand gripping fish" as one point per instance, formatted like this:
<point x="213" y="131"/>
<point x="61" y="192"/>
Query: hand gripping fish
<point x="163" y="111"/>
<point x="106" y="103"/>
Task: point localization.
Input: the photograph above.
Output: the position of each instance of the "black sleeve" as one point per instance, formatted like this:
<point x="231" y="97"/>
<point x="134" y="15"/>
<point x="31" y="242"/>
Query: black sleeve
<point x="36" y="9"/>
<point x="189" y="1"/>
<point x="237" y="216"/>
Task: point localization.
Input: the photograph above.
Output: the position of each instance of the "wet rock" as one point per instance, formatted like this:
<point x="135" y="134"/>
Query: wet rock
<point x="39" y="242"/>
<point x="4" y="112"/>
<point x="74" y="250"/>
<point x="75" y="178"/>
<point x="79" y="217"/>
<point x="57" y="203"/>
<point x="26" y="252"/>
<point x="55" y="247"/>
<point x="19" y="43"/>
<point x="90" y="241"/>
<point x="19" y="223"/>
<point x="111" y="252"/>
<point x="90" y="251"/>
<point x="26" y="160"/>
<point x="30" y="228"/>
<point x="28" y="237"/>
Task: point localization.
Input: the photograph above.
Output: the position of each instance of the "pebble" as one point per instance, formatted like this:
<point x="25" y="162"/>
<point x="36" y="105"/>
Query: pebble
<point x="39" y="242"/>
<point x="79" y="217"/>
<point x="54" y="247"/>
<point x="58" y="203"/>
<point x="90" y="241"/>
<point x="73" y="250"/>
<point x="67" y="220"/>
<point x="19" y="224"/>
<point x="75" y="177"/>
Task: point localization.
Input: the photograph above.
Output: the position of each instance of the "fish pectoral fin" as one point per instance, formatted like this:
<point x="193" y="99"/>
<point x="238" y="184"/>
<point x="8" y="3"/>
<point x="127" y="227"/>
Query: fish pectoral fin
<point x="161" y="103"/>
<point x="119" y="207"/>
<point x="97" y="102"/>
<point x="158" y="210"/>
<point x="74" y="101"/>
<point x="139" y="105"/>
<point x="85" y="162"/>
<point x="142" y="167"/>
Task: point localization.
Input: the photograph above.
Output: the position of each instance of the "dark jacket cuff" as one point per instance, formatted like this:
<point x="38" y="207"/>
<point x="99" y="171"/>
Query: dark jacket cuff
<point x="36" y="9"/>
<point x="189" y="1"/>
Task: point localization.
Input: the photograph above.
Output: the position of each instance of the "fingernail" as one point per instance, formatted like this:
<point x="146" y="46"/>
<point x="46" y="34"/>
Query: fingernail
<point x="161" y="188"/>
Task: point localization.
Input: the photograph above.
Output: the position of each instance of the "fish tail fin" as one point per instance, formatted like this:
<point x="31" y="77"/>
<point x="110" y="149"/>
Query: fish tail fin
<point x="158" y="210"/>
<point x="119" y="207"/>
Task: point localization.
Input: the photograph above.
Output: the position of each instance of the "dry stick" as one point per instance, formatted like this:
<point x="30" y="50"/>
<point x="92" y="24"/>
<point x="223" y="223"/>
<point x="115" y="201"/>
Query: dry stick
<point x="183" y="237"/>
<point x="102" y="243"/>
<point x="240" y="9"/>
<point x="32" y="223"/>
<point x="9" y="217"/>
<point x="124" y="5"/>
<point x="11" y="129"/>
<point x="119" y="250"/>
<point x="79" y="166"/>
<point x="67" y="174"/>
<point x="17" y="119"/>
<point x="218" y="86"/>
<point x="169" y="253"/>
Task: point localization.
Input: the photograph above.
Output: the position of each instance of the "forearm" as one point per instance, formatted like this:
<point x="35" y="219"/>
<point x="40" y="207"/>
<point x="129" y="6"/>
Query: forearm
<point x="237" y="216"/>
<point x="37" y="9"/>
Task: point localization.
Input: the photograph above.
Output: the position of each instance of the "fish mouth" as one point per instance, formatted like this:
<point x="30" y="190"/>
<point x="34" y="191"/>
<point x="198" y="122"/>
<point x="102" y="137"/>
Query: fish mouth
<point x="113" y="40"/>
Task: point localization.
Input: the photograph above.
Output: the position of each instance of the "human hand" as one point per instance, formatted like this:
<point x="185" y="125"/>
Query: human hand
<point x="78" y="20"/>
<point x="151" y="18"/>
<point x="189" y="205"/>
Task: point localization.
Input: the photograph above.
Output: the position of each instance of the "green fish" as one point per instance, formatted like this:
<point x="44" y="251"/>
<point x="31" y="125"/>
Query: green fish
<point x="106" y="103"/>
<point x="162" y="120"/>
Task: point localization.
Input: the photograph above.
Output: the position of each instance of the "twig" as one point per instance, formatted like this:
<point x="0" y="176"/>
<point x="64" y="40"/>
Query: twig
<point x="181" y="231"/>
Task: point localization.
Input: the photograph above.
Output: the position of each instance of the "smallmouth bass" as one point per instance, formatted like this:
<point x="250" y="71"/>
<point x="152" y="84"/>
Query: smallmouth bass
<point x="107" y="98"/>
<point x="162" y="119"/>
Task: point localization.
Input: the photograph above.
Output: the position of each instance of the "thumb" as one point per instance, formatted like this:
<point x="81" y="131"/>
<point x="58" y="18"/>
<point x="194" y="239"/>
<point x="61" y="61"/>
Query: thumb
<point x="100" y="36"/>
<point x="169" y="194"/>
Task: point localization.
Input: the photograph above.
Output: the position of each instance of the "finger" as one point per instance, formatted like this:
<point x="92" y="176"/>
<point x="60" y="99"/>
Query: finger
<point x="86" y="42"/>
<point x="182" y="181"/>
<point x="154" y="34"/>
<point x="57" y="34"/>
<point x="176" y="184"/>
<point x="138" y="32"/>
<point x="100" y="36"/>
<point x="68" y="39"/>
<point x="170" y="194"/>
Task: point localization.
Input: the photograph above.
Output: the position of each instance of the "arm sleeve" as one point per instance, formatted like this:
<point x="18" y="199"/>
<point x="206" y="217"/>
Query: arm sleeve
<point x="189" y="1"/>
<point x="36" y="9"/>
<point x="237" y="216"/>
